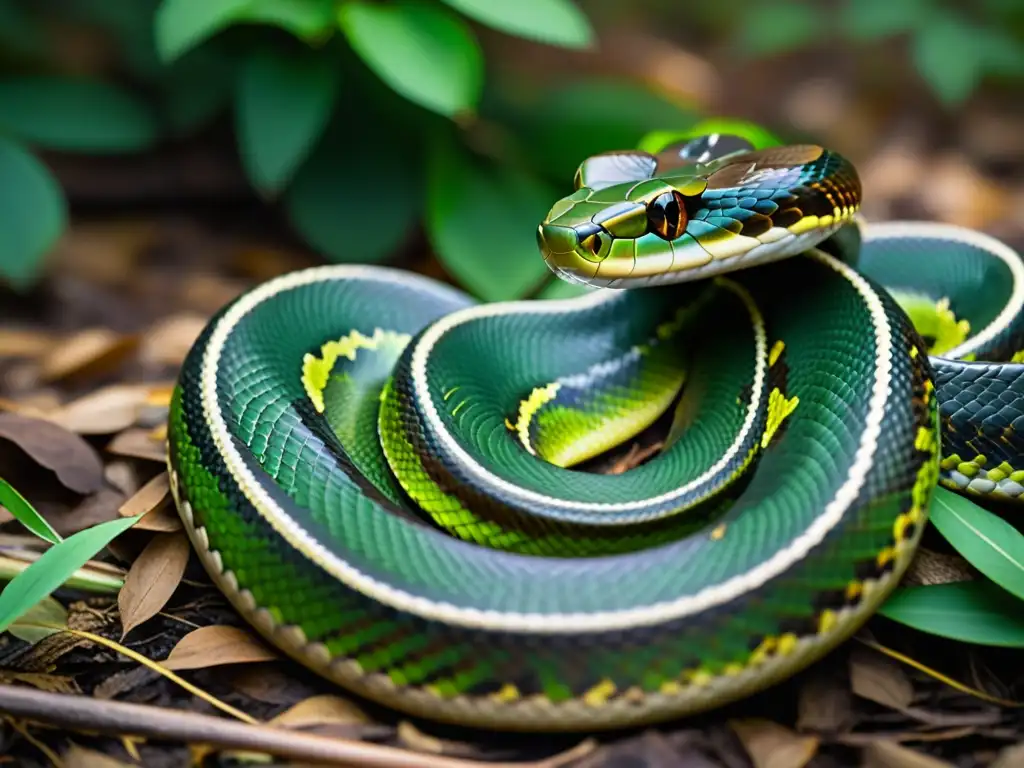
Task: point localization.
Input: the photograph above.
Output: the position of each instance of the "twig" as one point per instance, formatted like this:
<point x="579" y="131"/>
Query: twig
<point x="119" y="718"/>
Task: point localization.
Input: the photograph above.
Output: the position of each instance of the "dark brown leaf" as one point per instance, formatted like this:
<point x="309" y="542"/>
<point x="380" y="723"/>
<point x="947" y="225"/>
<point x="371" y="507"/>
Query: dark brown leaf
<point x="321" y="710"/>
<point x="72" y="459"/>
<point x="90" y="352"/>
<point x="154" y="501"/>
<point x="889" y="754"/>
<point x="826" y="704"/>
<point x="140" y="444"/>
<point x="876" y="678"/>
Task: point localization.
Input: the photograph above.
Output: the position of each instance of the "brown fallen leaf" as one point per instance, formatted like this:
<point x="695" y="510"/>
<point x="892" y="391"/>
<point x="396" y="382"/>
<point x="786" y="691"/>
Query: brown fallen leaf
<point x="771" y="745"/>
<point x="170" y="340"/>
<point x="80" y="757"/>
<point x="415" y="739"/>
<point x="269" y="684"/>
<point x="889" y="754"/>
<point x="320" y="710"/>
<point x="139" y="444"/>
<point x="76" y="463"/>
<point x="880" y="680"/>
<point x="825" y="705"/>
<point x="1010" y="757"/>
<point x="86" y="353"/>
<point x="151" y="500"/>
<point x="214" y="645"/>
<point x="105" y="411"/>
<point x="152" y="579"/>
<point x="23" y="342"/>
<point x="123" y="476"/>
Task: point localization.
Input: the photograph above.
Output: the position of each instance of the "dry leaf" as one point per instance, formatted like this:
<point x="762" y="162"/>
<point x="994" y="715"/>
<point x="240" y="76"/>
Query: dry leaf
<point x="215" y="645"/>
<point x="80" y="757"/>
<point x="152" y="500"/>
<point x="269" y="684"/>
<point x="880" y="680"/>
<point x="122" y="475"/>
<point x="73" y="460"/>
<point x="889" y="754"/>
<point x="321" y="710"/>
<point x="139" y="444"/>
<point x="1010" y="757"/>
<point x="415" y="739"/>
<point x="88" y="352"/>
<point x="826" y="705"/>
<point x="169" y="341"/>
<point x="152" y="579"/>
<point x="105" y="411"/>
<point x="17" y="342"/>
<point x="41" y="680"/>
<point x="30" y="407"/>
<point x="771" y="745"/>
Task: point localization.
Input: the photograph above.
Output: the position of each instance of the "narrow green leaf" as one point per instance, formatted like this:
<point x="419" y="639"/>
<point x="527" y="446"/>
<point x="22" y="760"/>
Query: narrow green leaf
<point x="33" y="213"/>
<point x="869" y="20"/>
<point x="971" y="611"/>
<point x="421" y="51"/>
<point x="482" y="222"/>
<point x="282" y="106"/>
<point x="357" y="197"/>
<point x="183" y="24"/>
<point x="55" y="566"/>
<point x="986" y="541"/>
<point x="47" y="611"/>
<point x="26" y="514"/>
<point x="555" y="22"/>
<point x="75" y="115"/>
<point x="948" y="57"/>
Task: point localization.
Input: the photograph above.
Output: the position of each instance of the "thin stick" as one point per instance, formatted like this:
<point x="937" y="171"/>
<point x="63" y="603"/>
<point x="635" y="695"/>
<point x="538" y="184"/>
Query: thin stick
<point x="83" y="713"/>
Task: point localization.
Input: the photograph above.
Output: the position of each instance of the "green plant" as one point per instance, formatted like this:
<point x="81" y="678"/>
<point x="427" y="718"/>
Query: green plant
<point x="363" y="122"/>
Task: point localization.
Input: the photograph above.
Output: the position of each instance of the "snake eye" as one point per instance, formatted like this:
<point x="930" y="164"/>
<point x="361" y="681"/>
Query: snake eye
<point x="666" y="215"/>
<point x="592" y="243"/>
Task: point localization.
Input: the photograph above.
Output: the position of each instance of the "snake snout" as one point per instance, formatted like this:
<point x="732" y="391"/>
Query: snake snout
<point x="566" y="254"/>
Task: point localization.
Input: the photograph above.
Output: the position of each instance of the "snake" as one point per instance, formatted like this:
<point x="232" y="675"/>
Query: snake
<point x="402" y="488"/>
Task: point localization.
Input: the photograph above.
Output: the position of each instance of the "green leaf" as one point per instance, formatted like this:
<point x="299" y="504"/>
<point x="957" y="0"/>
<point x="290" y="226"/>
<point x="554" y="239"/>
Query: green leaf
<point x="986" y="541"/>
<point x="33" y="214"/>
<point x="75" y="115"/>
<point x="948" y="57"/>
<point x="780" y="27"/>
<point x="183" y="24"/>
<point x="555" y="22"/>
<point x="282" y="106"/>
<point x="197" y="87"/>
<point x="970" y="611"/>
<point x="421" y="51"/>
<point x="55" y="566"/>
<point x="559" y="126"/>
<point x="26" y="514"/>
<point x="311" y="20"/>
<point x="357" y="197"/>
<point x="47" y="611"/>
<point x="482" y="222"/>
<point x="870" y="20"/>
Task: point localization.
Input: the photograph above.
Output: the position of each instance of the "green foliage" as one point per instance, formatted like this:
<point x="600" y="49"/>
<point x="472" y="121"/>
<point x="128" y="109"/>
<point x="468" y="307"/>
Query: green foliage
<point x="482" y="221"/>
<point x="557" y="22"/>
<point x="73" y="114"/>
<point x="988" y="612"/>
<point x="971" y="611"/>
<point x="26" y="514"/>
<point x="55" y="566"/>
<point x="282" y="105"/>
<point x="32" y="214"/>
<point x="952" y="49"/>
<point x="984" y="539"/>
<point x="422" y="51"/>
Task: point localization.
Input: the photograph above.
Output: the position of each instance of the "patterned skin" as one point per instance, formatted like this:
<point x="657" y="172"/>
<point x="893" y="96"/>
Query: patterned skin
<point x="382" y="476"/>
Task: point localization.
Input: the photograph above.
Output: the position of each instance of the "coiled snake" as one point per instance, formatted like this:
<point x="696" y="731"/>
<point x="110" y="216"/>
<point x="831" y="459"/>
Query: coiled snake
<point x="390" y="481"/>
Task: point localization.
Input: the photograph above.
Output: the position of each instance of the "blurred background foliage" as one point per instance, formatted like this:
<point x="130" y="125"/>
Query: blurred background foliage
<point x="366" y="124"/>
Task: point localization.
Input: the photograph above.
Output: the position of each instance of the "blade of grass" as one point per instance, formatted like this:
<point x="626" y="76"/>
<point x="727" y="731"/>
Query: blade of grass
<point x="26" y="514"/>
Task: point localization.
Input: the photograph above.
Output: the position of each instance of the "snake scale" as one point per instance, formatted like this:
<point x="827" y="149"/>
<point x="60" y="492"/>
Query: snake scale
<point x="394" y="484"/>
